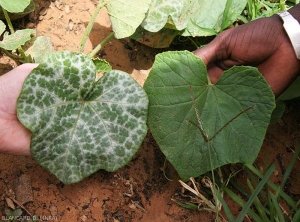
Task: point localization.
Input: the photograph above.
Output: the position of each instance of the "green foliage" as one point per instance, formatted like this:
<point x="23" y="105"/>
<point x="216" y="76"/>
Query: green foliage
<point x="233" y="114"/>
<point x="14" y="41"/>
<point x="102" y="66"/>
<point x="15" y="6"/>
<point x="263" y="8"/>
<point x="80" y="126"/>
<point x="191" y="16"/>
<point x="126" y="15"/>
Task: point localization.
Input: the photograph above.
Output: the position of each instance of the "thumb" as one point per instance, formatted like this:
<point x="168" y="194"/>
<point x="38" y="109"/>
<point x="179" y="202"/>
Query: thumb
<point x="208" y="52"/>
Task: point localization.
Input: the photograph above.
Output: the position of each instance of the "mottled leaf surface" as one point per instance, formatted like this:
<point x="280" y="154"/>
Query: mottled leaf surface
<point x="235" y="113"/>
<point x="196" y="18"/>
<point x="126" y="15"/>
<point x="80" y="126"/>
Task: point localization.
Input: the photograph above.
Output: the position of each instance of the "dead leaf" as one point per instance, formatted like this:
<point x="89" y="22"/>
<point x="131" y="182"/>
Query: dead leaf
<point x="10" y="203"/>
<point x="23" y="189"/>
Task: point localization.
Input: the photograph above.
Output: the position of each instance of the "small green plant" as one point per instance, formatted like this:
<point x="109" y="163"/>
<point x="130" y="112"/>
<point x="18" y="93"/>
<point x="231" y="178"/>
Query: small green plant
<point x="12" y="42"/>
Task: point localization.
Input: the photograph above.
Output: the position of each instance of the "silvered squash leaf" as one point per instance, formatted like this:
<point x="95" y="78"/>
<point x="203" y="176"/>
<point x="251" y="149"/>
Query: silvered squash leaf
<point x="80" y="125"/>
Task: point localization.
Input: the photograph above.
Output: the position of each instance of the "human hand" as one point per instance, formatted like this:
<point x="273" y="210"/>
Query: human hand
<point x="262" y="43"/>
<point x="14" y="137"/>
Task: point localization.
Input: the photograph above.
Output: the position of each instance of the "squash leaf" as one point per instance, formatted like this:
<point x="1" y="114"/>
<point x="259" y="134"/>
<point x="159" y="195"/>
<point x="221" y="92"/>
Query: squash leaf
<point x="78" y="125"/>
<point x="234" y="113"/>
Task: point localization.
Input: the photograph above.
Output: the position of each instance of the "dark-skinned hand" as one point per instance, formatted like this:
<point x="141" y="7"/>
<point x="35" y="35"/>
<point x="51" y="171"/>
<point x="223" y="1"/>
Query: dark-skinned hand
<point x="262" y="43"/>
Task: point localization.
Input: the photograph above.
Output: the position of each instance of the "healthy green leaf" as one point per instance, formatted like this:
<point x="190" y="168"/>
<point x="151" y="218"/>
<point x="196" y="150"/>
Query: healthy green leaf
<point x="19" y="38"/>
<point x="102" y="65"/>
<point x="14" y="16"/>
<point x="126" y="15"/>
<point x="197" y="18"/>
<point x="80" y="126"/>
<point x="235" y="113"/>
<point x="14" y="6"/>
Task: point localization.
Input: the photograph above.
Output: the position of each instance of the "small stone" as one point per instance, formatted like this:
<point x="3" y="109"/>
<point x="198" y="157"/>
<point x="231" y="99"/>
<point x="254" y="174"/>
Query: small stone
<point x="30" y="25"/>
<point x="53" y="210"/>
<point x="83" y="218"/>
<point x="67" y="9"/>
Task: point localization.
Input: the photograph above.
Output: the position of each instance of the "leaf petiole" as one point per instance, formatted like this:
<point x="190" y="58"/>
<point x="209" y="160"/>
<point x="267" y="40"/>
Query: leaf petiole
<point x="90" y="25"/>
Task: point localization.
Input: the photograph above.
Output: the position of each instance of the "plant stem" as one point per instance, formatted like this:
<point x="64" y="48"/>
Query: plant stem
<point x="100" y="45"/>
<point x="13" y="56"/>
<point x="90" y="25"/>
<point x="12" y="31"/>
<point x="10" y="26"/>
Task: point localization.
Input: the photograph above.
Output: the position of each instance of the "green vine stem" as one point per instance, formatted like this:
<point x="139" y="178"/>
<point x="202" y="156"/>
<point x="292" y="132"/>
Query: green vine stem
<point x="100" y="45"/>
<point x="90" y="25"/>
<point x="10" y="26"/>
<point x="13" y="56"/>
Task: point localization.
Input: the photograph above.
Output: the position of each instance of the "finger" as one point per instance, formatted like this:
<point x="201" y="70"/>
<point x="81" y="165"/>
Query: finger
<point x="207" y="53"/>
<point x="217" y="49"/>
<point x="214" y="73"/>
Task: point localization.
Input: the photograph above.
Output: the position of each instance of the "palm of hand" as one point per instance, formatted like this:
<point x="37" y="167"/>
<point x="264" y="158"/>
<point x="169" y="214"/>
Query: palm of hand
<point x="14" y="137"/>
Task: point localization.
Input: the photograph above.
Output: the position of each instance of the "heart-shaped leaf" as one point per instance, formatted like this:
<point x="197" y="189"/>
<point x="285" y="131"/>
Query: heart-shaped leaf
<point x="80" y="126"/>
<point x="233" y="114"/>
